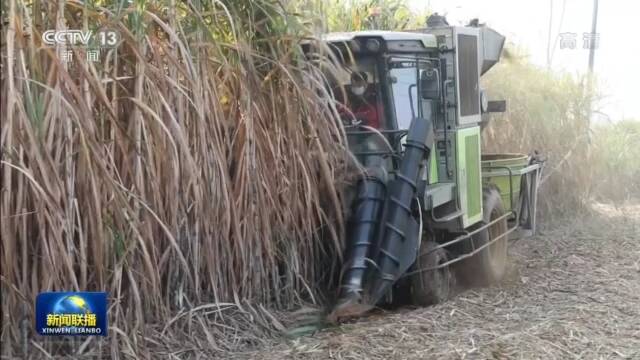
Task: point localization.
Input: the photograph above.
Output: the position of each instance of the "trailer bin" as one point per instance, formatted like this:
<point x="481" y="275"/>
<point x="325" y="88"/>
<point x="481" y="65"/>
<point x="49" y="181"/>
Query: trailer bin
<point x="500" y="169"/>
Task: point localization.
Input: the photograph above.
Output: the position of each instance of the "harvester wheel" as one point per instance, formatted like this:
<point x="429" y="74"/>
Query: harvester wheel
<point x="430" y="287"/>
<point x="489" y="265"/>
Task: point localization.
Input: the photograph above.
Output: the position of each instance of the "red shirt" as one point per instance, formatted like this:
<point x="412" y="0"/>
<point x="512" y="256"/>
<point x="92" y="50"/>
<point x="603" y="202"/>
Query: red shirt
<point x="368" y="113"/>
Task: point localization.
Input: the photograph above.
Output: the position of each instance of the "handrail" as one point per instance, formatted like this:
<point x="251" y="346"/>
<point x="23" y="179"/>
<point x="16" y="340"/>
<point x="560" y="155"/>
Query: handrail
<point x="467" y="255"/>
<point x="537" y="167"/>
<point x="464" y="237"/>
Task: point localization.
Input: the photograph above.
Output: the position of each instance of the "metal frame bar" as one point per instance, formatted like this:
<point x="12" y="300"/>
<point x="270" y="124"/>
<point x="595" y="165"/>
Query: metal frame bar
<point x="534" y="168"/>
<point x="464" y="237"/>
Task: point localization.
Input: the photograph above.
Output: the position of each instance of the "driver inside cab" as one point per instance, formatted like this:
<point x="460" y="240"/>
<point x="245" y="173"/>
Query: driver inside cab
<point x="363" y="100"/>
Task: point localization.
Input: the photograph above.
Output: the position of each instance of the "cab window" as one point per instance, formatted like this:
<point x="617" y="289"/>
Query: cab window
<point x="404" y="79"/>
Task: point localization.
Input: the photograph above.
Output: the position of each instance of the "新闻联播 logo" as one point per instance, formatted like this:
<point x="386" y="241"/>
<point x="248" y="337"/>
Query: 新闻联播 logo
<point x="71" y="313"/>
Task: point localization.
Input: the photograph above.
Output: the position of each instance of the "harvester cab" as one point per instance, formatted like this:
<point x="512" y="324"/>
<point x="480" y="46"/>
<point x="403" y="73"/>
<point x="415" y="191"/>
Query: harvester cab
<point x="430" y="208"/>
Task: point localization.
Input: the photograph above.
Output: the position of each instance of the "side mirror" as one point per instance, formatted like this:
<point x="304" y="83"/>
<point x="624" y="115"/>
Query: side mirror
<point x="497" y="106"/>
<point x="430" y="84"/>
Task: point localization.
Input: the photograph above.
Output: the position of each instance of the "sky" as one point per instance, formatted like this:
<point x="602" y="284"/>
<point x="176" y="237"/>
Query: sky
<point x="526" y="24"/>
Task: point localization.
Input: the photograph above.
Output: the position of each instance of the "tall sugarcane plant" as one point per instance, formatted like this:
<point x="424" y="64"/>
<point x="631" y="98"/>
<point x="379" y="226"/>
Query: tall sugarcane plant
<point x="196" y="166"/>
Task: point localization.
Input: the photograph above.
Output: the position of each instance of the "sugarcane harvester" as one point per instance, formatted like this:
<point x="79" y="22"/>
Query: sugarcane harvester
<point x="429" y="207"/>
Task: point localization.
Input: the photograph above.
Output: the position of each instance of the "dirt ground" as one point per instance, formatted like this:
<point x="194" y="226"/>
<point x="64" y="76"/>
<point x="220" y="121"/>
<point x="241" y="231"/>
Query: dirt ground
<point x="573" y="292"/>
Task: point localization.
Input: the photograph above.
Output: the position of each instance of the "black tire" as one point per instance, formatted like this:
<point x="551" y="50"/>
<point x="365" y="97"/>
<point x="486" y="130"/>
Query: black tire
<point x="431" y="286"/>
<point x="489" y="265"/>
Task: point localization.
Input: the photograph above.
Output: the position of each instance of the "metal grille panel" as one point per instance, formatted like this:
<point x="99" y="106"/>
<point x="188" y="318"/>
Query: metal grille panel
<point x="468" y="75"/>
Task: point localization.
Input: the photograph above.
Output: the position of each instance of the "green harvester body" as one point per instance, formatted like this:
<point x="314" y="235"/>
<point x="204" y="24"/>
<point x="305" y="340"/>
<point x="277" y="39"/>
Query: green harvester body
<point x="426" y="193"/>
